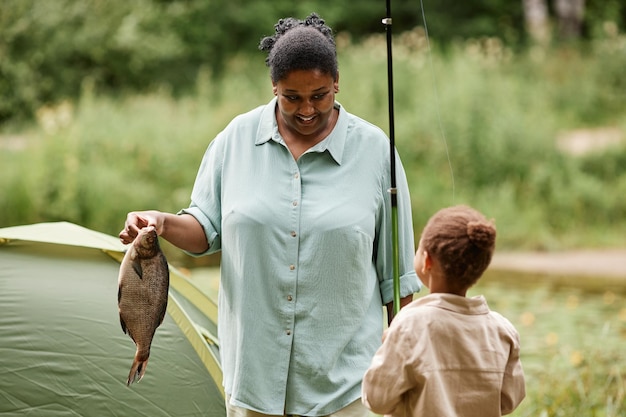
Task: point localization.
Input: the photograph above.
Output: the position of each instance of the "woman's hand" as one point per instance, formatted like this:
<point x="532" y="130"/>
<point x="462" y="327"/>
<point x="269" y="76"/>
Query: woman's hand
<point x="181" y="230"/>
<point x="137" y="220"/>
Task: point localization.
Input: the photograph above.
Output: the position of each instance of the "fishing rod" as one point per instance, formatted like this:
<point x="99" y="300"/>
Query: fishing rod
<point x="387" y="21"/>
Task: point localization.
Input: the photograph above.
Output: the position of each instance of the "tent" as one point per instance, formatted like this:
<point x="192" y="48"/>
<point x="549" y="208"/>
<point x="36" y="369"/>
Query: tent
<point x="62" y="349"/>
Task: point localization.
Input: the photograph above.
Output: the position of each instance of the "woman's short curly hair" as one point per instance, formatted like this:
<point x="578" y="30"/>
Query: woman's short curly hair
<point x="300" y="45"/>
<point x="463" y="241"/>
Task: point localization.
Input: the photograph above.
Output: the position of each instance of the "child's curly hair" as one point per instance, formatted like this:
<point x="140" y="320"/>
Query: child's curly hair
<point x="463" y="241"/>
<point x="300" y="45"/>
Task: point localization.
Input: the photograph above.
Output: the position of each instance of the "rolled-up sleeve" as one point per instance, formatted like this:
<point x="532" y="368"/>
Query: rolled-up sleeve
<point x="206" y="196"/>
<point x="409" y="282"/>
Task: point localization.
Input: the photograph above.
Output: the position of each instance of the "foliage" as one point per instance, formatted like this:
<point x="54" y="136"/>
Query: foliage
<point x="50" y="49"/>
<point x="492" y="116"/>
<point x="476" y="125"/>
<point x="568" y="370"/>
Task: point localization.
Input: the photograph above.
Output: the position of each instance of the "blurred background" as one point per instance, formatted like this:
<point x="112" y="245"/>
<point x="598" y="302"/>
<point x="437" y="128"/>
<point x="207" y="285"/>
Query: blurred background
<point x="517" y="108"/>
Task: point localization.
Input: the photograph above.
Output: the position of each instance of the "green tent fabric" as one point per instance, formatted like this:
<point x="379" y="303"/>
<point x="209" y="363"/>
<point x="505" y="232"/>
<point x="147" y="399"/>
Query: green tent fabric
<point x="62" y="350"/>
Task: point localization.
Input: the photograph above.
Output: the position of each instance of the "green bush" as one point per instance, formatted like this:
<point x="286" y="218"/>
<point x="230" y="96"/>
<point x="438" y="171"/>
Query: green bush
<point x="51" y="48"/>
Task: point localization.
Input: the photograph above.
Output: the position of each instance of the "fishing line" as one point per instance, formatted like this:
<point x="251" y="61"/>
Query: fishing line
<point x="437" y="104"/>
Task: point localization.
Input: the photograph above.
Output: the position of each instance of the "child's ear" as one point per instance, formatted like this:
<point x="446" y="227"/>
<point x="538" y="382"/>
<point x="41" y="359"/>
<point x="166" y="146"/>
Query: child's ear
<point x="428" y="261"/>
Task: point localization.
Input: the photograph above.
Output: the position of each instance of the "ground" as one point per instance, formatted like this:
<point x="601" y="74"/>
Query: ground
<point x="608" y="263"/>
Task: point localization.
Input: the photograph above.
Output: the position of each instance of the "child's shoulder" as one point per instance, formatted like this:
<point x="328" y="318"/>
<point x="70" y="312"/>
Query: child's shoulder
<point x="421" y="313"/>
<point x="504" y="323"/>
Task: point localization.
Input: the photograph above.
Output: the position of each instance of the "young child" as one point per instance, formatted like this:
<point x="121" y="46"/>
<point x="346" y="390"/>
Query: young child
<point x="445" y="354"/>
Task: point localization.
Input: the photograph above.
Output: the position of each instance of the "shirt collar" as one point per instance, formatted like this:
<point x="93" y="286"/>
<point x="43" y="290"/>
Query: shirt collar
<point x="456" y="303"/>
<point x="334" y="143"/>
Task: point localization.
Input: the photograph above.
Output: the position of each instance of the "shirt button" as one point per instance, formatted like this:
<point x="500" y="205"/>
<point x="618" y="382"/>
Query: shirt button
<point x="293" y="233"/>
<point x="296" y="176"/>
<point x="288" y="332"/>
<point x="295" y="203"/>
<point x="292" y="267"/>
<point x="289" y="298"/>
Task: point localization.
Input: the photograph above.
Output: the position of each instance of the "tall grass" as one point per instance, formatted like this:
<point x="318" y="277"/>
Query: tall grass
<point x="572" y="339"/>
<point x="476" y="124"/>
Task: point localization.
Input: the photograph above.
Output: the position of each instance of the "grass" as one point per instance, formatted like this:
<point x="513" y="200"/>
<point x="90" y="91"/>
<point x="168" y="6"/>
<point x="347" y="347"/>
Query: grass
<point x="572" y="343"/>
<point x="476" y="125"/>
<point x="572" y="339"/>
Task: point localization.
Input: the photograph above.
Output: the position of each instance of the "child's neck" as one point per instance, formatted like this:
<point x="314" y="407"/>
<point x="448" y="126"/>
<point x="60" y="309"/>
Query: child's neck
<point x="461" y="293"/>
<point x="437" y="284"/>
<point x="436" y="281"/>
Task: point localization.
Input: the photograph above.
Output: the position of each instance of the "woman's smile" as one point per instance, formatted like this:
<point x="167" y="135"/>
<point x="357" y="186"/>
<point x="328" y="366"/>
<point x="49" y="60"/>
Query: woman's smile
<point x="307" y="121"/>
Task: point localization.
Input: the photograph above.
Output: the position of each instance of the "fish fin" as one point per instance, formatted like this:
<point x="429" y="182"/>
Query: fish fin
<point x="119" y="297"/>
<point x="137" y="370"/>
<point x="161" y="315"/>
<point x="123" y="324"/>
<point x="137" y="267"/>
<point x="165" y="265"/>
<point x="126" y="329"/>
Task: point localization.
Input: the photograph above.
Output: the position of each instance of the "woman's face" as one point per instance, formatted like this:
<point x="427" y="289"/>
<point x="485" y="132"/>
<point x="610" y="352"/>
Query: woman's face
<point x="306" y="100"/>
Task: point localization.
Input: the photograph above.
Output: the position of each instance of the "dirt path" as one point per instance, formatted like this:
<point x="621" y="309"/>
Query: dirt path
<point x="610" y="263"/>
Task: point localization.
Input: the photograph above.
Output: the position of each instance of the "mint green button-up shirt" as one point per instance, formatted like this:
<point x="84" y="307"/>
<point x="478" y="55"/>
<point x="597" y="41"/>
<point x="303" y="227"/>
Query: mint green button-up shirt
<point x="306" y="262"/>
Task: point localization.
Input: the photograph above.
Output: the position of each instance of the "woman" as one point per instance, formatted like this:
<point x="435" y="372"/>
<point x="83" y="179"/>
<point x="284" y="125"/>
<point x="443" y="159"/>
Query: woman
<point x="294" y="194"/>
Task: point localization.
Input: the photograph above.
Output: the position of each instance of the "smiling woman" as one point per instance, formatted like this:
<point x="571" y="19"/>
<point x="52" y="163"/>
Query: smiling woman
<point x="294" y="195"/>
<point x="305" y="78"/>
<point x="306" y="111"/>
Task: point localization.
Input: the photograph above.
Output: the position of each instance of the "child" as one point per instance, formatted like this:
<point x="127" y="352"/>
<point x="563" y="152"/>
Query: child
<point x="445" y="354"/>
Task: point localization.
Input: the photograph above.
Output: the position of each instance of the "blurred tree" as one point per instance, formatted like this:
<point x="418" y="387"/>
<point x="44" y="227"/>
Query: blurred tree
<point x="570" y="15"/>
<point x="49" y="50"/>
<point x="537" y="20"/>
<point x="450" y="20"/>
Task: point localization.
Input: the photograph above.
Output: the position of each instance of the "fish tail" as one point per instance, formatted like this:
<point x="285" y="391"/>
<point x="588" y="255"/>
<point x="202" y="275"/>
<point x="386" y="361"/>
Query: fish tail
<point x="138" y="368"/>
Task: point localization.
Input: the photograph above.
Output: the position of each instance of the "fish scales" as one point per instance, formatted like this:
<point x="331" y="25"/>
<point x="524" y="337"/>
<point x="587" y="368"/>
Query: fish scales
<point x="142" y="295"/>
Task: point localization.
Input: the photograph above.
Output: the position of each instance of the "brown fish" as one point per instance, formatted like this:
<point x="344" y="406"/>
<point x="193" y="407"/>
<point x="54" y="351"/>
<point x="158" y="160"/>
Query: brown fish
<point x="142" y="295"/>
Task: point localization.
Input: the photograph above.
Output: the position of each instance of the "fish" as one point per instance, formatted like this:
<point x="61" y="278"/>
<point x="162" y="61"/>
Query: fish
<point x="143" y="286"/>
